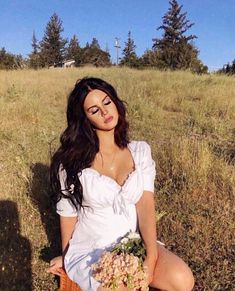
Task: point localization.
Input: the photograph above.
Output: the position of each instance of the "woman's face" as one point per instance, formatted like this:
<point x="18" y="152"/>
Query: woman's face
<point x="100" y="110"/>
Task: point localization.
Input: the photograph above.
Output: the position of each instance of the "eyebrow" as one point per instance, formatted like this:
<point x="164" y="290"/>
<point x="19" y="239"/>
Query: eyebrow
<point x="96" y="105"/>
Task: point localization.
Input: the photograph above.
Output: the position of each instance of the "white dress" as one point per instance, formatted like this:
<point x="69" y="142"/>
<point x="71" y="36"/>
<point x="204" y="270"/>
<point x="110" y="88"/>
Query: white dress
<point x="111" y="216"/>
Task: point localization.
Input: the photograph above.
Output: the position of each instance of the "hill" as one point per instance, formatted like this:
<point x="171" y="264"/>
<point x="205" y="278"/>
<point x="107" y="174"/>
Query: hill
<point x="188" y="121"/>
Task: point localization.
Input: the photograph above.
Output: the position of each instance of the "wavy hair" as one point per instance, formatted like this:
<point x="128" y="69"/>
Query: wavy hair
<point x="79" y="142"/>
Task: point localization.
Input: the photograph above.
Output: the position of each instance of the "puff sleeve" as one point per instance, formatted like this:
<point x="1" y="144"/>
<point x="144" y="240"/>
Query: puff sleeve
<point x="148" y="168"/>
<point x="64" y="207"/>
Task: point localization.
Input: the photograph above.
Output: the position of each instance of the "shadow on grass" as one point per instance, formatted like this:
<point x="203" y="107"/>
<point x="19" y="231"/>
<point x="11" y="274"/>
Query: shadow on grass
<point x="40" y="196"/>
<point x="15" y="251"/>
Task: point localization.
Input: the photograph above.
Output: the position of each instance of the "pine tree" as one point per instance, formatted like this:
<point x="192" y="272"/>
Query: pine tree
<point x="130" y="58"/>
<point x="149" y="59"/>
<point x="9" y="61"/>
<point x="228" y="69"/>
<point x="175" y="50"/>
<point x="35" y="60"/>
<point x="73" y="48"/>
<point x="35" y="45"/>
<point x="93" y="56"/>
<point x="53" y="45"/>
<point x="94" y="43"/>
<point x="6" y="60"/>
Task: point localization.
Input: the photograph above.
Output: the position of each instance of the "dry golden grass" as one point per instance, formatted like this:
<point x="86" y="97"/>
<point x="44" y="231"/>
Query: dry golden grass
<point x="189" y="122"/>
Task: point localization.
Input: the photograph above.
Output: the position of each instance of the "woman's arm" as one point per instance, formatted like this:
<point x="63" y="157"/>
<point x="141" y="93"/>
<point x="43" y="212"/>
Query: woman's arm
<point x="67" y="225"/>
<point x="68" y="218"/>
<point x="145" y="208"/>
<point x="147" y="222"/>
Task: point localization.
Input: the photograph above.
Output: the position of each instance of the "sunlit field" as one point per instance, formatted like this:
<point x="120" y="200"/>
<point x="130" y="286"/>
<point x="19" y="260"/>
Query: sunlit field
<point x="189" y="121"/>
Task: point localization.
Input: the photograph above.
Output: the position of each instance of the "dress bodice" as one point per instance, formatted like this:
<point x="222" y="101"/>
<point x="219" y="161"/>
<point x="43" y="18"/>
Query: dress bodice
<point x="100" y="191"/>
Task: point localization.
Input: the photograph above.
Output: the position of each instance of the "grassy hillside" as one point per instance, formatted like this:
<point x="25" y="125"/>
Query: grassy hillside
<point x="188" y="120"/>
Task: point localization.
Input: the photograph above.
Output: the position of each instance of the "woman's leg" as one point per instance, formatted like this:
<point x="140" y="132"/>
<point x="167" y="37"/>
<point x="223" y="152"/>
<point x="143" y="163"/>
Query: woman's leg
<point x="171" y="273"/>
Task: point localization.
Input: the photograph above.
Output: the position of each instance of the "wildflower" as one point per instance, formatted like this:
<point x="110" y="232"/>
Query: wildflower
<point x="133" y="235"/>
<point x="124" y="240"/>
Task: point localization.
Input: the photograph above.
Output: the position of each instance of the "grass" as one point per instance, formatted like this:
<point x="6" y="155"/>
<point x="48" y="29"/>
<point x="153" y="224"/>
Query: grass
<point x="189" y="121"/>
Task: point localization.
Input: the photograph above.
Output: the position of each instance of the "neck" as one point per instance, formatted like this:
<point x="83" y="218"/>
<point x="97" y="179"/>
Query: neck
<point x="106" y="141"/>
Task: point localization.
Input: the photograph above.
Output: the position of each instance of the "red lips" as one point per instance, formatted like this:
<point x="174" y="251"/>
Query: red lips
<point x="108" y="119"/>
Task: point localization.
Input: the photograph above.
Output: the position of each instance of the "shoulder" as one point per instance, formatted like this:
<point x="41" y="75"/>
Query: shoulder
<point x="140" y="146"/>
<point x="141" y="151"/>
<point x="146" y="163"/>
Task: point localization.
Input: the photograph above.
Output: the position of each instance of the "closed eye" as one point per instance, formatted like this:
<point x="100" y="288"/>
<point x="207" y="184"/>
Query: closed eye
<point x="106" y="103"/>
<point x="94" y="112"/>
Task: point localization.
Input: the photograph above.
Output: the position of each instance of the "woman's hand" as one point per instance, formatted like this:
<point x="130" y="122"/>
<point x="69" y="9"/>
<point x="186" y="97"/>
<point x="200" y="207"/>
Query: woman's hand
<point x="149" y="264"/>
<point x="56" y="265"/>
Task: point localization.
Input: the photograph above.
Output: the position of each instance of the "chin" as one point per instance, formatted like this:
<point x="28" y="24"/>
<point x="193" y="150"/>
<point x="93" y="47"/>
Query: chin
<point x="108" y="127"/>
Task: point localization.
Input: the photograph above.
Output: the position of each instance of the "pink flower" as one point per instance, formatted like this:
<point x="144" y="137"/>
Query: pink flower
<point x="122" y="266"/>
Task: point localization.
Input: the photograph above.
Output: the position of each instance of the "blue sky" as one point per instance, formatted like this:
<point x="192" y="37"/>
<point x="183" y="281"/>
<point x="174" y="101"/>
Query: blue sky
<point x="214" y="24"/>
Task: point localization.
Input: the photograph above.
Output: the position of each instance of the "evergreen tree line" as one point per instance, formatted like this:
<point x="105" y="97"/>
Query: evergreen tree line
<point x="174" y="50"/>
<point x="228" y="69"/>
<point x="53" y="49"/>
<point x="10" y="61"/>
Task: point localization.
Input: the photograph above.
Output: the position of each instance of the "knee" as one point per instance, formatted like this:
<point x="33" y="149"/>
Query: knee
<point x="183" y="279"/>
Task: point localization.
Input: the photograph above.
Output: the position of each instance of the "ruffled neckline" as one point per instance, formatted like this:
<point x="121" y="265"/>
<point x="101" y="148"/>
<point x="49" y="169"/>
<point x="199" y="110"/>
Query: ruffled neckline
<point x="110" y="179"/>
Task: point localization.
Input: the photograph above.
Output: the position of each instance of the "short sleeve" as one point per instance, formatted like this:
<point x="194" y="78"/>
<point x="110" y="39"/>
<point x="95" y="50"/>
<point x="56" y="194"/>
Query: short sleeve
<point x="64" y="206"/>
<point x="148" y="168"/>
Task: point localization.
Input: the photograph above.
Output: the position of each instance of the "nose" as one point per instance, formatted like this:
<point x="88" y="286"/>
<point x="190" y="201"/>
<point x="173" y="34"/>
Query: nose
<point x="104" y="111"/>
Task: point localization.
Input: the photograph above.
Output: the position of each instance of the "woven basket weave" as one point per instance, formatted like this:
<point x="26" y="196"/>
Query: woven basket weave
<point x="66" y="284"/>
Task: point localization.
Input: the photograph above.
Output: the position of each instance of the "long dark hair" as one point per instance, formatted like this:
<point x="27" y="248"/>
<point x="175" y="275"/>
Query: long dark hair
<point x="79" y="142"/>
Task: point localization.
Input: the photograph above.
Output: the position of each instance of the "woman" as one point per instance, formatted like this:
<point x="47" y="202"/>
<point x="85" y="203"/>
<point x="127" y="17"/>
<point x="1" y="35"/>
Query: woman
<point x="104" y="187"/>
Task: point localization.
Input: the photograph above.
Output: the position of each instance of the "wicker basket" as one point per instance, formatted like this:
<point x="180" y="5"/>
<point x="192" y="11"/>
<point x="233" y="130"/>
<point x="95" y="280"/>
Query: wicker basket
<point x="66" y="284"/>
